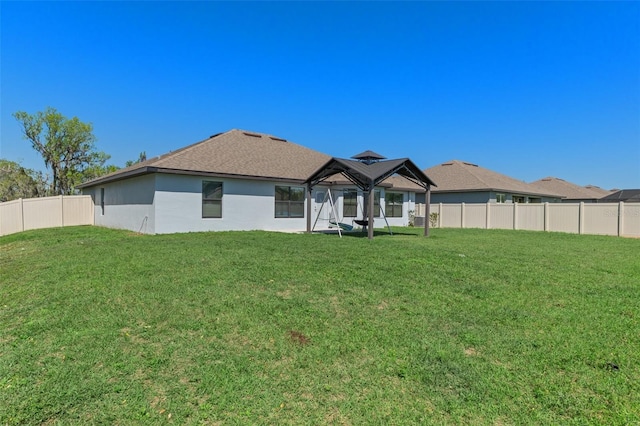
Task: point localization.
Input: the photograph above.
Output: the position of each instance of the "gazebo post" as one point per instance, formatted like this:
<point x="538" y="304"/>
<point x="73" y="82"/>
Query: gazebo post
<point x="370" y="210"/>
<point x="308" y="208"/>
<point x="427" y="210"/>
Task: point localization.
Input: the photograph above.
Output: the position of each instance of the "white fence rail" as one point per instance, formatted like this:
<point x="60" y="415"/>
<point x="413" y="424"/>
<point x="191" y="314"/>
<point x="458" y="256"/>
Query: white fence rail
<point x="621" y="219"/>
<point x="48" y="212"/>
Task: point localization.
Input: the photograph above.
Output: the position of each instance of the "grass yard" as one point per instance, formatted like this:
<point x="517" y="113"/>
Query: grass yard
<point x="466" y="327"/>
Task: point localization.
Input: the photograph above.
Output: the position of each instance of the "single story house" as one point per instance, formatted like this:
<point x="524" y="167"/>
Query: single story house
<point x="571" y="193"/>
<point x="237" y="180"/>
<point x="463" y="182"/>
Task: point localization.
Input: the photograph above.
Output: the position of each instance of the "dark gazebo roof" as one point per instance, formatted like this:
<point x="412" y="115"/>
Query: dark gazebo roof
<point x="366" y="174"/>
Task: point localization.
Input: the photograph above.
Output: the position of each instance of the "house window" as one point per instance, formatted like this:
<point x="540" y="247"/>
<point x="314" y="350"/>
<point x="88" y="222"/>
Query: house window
<point x="289" y="201"/>
<point x="349" y="203"/>
<point x="535" y="200"/>
<point x="501" y="198"/>
<point x="211" y="199"/>
<point x="393" y="204"/>
<point x="518" y="199"/>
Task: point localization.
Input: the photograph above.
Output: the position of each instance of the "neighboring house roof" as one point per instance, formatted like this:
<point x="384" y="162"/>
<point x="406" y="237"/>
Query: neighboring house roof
<point x="626" y="195"/>
<point x="460" y="176"/>
<point x="569" y="190"/>
<point x="236" y="153"/>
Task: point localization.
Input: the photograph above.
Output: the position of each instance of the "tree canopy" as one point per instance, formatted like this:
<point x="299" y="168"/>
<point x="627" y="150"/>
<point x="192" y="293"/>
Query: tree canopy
<point x="18" y="182"/>
<point x="67" y="147"/>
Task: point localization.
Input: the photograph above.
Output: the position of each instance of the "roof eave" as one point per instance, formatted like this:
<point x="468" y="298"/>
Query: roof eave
<point x="511" y="191"/>
<point x="149" y="170"/>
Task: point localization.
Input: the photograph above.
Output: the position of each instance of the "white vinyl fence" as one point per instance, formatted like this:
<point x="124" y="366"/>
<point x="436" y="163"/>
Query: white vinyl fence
<point x="48" y="212"/>
<point x="621" y="219"/>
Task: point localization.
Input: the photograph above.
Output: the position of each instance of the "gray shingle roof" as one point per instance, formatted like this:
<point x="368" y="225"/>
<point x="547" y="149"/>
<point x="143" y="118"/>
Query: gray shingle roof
<point x="569" y="190"/>
<point x="627" y="195"/>
<point x="236" y="153"/>
<point x="461" y="176"/>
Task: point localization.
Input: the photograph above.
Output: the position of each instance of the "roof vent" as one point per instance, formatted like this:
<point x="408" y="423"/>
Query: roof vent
<point x="470" y="164"/>
<point x="277" y="139"/>
<point x="253" y="135"/>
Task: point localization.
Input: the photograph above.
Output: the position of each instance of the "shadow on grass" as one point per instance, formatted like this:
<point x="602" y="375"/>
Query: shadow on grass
<point x="416" y="232"/>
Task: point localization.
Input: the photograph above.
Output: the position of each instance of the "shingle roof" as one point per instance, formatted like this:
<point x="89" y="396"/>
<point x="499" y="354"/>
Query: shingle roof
<point x="234" y="153"/>
<point x="460" y="176"/>
<point x="569" y="190"/>
<point x="627" y="195"/>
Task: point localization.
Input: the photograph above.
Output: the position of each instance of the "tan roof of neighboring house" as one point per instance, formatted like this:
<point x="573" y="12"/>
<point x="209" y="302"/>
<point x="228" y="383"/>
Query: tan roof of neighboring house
<point x="460" y="176"/>
<point x="233" y="153"/>
<point x="569" y="190"/>
<point x="402" y="183"/>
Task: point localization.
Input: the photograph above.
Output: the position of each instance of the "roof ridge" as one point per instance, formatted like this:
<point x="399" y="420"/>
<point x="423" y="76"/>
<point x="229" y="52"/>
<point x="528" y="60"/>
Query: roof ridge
<point x="468" y="170"/>
<point x="186" y="149"/>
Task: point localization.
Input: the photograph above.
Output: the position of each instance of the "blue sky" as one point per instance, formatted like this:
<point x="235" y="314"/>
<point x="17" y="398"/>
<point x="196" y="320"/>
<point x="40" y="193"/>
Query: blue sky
<point x="528" y="89"/>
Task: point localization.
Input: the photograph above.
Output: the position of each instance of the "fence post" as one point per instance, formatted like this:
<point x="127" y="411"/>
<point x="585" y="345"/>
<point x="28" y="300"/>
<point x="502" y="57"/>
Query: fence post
<point x="440" y="215"/>
<point x="620" y="218"/>
<point x="462" y="215"/>
<point x="61" y="210"/>
<point x="21" y="215"/>
<point x="581" y="218"/>
<point x="545" y="220"/>
<point x="487" y="219"/>
<point x="515" y="216"/>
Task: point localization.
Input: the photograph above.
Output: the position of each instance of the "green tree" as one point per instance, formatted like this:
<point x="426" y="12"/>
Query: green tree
<point x="97" y="171"/>
<point x="142" y="157"/>
<point x="67" y="147"/>
<point x="18" y="182"/>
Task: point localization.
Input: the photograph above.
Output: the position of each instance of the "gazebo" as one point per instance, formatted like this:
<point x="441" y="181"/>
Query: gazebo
<point x="366" y="170"/>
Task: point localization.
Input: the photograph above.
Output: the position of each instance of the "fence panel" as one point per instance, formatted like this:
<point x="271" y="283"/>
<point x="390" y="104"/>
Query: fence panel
<point x="47" y="212"/>
<point x="630" y="217"/>
<point x="600" y="219"/>
<point x="530" y="217"/>
<point x="450" y="216"/>
<point x="77" y="211"/>
<point x="501" y="216"/>
<point x="42" y="212"/>
<point x="564" y="217"/>
<point x="475" y="215"/>
<point x="10" y="217"/>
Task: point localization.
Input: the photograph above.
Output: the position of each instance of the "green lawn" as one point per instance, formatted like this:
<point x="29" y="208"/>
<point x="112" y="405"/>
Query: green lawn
<point x="467" y="326"/>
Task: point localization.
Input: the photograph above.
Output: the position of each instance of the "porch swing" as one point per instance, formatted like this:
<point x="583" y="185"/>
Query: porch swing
<point x="364" y="222"/>
<point x="333" y="215"/>
<point x="341" y="226"/>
